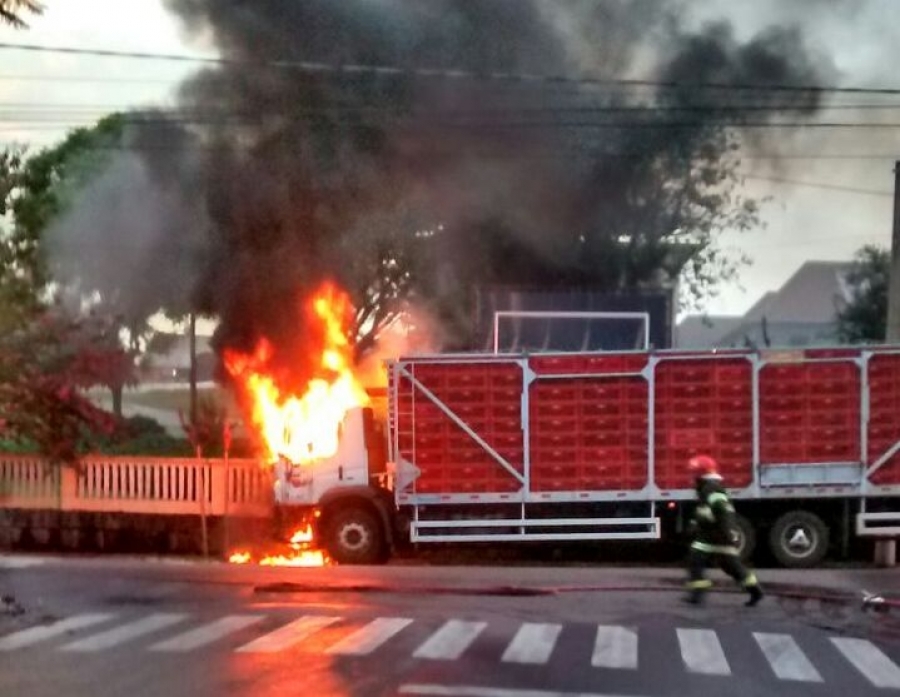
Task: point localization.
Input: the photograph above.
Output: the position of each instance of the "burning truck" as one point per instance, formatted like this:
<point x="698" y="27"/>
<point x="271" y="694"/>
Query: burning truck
<point x="557" y="447"/>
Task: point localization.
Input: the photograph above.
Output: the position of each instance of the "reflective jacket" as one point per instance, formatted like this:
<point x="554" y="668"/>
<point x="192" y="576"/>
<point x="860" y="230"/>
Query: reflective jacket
<point x="713" y="523"/>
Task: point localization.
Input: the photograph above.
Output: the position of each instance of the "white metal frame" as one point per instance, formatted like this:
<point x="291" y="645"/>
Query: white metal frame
<point x="420" y="528"/>
<point x="643" y="316"/>
<point x="878" y="524"/>
<point x="832" y="480"/>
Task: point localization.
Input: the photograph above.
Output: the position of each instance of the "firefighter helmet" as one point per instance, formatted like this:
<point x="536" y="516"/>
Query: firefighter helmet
<point x="703" y="466"/>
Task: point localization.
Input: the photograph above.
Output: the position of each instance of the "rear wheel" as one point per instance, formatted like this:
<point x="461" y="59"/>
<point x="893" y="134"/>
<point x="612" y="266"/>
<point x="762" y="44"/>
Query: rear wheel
<point x="746" y="542"/>
<point x="799" y="539"/>
<point x="354" y="536"/>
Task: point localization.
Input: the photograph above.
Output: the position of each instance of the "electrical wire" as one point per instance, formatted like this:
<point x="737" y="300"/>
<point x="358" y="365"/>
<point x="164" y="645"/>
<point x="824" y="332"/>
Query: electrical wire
<point x="822" y="185"/>
<point x="318" y="67"/>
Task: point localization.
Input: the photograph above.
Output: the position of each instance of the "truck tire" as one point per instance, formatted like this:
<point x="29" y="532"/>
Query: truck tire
<point x="354" y="536"/>
<point x="799" y="539"/>
<point x="746" y="544"/>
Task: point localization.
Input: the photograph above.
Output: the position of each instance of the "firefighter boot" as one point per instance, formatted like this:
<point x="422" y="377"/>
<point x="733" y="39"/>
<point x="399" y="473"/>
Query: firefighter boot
<point x="751" y="585"/>
<point x="695" y="596"/>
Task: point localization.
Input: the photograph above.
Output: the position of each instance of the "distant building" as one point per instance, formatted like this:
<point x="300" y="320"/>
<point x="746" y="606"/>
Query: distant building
<point x="168" y="359"/>
<point x="803" y="312"/>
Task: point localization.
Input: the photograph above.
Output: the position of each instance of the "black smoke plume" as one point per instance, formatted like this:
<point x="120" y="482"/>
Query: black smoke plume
<point x="338" y="173"/>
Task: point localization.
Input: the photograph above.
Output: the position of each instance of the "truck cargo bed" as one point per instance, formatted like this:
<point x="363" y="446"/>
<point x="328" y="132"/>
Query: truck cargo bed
<point x="621" y="426"/>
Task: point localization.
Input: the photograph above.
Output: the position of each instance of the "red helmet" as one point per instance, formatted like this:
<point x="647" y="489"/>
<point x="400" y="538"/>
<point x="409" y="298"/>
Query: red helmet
<point x="703" y="466"/>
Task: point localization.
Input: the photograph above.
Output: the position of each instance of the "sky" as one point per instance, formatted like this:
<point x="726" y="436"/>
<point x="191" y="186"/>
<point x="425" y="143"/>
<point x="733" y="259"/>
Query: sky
<point x="808" y="215"/>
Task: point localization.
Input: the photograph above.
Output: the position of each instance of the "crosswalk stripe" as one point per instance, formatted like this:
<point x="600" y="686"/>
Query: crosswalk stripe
<point x="479" y="691"/>
<point x="868" y="659"/>
<point x="615" y="647"/>
<point x="450" y="641"/>
<point x="126" y="632"/>
<point x="288" y="635"/>
<point x="370" y="637"/>
<point x="702" y="652"/>
<point x="786" y="658"/>
<point x="33" y="635"/>
<point x="206" y="634"/>
<point x="533" y="643"/>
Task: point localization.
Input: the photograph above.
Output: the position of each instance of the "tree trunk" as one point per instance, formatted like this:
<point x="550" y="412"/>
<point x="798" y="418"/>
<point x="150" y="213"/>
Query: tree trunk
<point x="117" y="391"/>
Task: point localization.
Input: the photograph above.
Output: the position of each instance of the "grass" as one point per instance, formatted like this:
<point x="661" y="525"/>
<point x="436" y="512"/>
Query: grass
<point x="175" y="399"/>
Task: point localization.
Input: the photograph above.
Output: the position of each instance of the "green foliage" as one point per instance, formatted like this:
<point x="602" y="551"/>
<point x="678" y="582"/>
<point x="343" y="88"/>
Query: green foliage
<point x="34" y="190"/>
<point x="864" y="318"/>
<point x="11" y="11"/>
<point x="143" y="436"/>
<point x="42" y="367"/>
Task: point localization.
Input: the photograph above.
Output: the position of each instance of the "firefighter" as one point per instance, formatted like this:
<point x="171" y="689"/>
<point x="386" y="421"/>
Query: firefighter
<point x="715" y="533"/>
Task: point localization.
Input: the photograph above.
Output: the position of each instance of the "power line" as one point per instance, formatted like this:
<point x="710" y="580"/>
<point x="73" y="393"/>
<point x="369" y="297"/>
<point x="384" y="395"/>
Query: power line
<point x="238" y="120"/>
<point x="40" y="108"/>
<point x="346" y="69"/>
<point x="822" y="185"/>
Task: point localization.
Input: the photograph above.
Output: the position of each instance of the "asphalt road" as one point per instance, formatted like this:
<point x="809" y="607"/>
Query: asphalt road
<point x="135" y="628"/>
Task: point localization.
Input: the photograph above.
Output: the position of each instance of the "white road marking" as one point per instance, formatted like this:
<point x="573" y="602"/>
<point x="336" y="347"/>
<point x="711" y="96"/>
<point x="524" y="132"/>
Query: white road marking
<point x="702" y="652"/>
<point x="786" y="658"/>
<point x="533" y="643"/>
<point x="206" y="634"/>
<point x="16" y="562"/>
<point x="113" y="637"/>
<point x="288" y="635"/>
<point x="450" y="641"/>
<point x="477" y="691"/>
<point x="616" y="647"/>
<point x="370" y="637"/>
<point x="33" y="635"/>
<point x="868" y="659"/>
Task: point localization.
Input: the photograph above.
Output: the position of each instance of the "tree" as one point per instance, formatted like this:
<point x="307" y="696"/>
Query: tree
<point x="39" y="191"/>
<point x="864" y="318"/>
<point x="19" y="284"/>
<point x="43" y="367"/>
<point x="11" y="11"/>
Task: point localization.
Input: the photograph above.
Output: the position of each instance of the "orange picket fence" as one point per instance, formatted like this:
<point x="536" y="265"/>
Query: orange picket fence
<point x="150" y="485"/>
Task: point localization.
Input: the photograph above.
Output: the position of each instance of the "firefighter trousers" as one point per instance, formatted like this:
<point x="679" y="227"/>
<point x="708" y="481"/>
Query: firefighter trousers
<point x="729" y="562"/>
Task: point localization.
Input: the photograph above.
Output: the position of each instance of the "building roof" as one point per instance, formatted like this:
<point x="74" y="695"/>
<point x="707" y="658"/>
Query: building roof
<point x="704" y="331"/>
<point x="812" y="295"/>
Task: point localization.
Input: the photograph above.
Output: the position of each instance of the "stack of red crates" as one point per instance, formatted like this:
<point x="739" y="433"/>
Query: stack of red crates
<point x="809" y="413"/>
<point x="884" y="406"/>
<point x="588" y="433"/>
<point x="486" y="397"/>
<point x="703" y="405"/>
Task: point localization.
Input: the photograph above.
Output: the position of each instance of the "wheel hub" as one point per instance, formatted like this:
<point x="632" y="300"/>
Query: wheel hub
<point x="800" y="540"/>
<point x="354" y="537"/>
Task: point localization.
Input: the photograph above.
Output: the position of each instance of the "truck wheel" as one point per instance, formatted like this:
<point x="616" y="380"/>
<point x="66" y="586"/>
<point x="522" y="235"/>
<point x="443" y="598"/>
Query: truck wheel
<point x="799" y="539"/>
<point x="354" y="536"/>
<point x="746" y="543"/>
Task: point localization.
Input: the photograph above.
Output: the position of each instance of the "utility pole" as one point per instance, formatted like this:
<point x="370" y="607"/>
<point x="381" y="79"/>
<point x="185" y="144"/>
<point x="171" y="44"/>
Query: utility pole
<point x="193" y="369"/>
<point x="893" y="318"/>
<point x="886" y="548"/>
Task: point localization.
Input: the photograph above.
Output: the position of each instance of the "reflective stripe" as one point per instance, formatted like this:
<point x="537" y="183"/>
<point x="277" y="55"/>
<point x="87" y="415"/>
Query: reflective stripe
<point x="699" y="585"/>
<point x="714" y="549"/>
<point x="716" y="497"/>
<point x="751" y="580"/>
<point x="705" y="512"/>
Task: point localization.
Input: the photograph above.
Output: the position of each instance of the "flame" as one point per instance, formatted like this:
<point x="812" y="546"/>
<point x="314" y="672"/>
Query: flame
<point x="308" y="558"/>
<point x="298" y="556"/>
<point x="304" y="428"/>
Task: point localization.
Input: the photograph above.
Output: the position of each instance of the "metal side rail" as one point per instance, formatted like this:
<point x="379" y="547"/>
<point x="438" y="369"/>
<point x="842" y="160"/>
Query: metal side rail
<point x="885" y="524"/>
<point x="543" y="529"/>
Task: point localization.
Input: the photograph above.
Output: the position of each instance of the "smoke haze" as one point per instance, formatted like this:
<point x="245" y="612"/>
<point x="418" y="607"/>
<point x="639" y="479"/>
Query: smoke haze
<point x="291" y="177"/>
